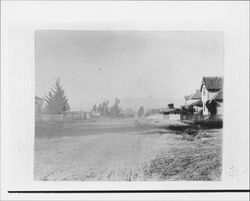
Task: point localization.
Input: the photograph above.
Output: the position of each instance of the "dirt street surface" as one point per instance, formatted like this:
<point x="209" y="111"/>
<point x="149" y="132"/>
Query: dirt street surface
<point x="120" y="150"/>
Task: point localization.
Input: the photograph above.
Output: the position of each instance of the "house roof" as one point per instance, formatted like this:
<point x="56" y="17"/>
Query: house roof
<point x="196" y="103"/>
<point x="212" y="83"/>
<point x="197" y="95"/>
<point x="218" y="96"/>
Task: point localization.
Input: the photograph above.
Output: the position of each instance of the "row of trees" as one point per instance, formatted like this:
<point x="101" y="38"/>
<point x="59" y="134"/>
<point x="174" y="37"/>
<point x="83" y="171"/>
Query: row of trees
<point x="104" y="110"/>
<point x="57" y="103"/>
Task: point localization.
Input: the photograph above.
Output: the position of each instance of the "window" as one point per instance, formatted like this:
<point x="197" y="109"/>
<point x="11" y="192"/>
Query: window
<point x="204" y="91"/>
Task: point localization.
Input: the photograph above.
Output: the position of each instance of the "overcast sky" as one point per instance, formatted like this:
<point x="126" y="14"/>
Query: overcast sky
<point x="98" y="65"/>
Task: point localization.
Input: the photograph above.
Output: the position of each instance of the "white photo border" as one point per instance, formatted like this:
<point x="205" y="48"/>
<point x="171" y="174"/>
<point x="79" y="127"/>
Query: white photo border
<point x="20" y="20"/>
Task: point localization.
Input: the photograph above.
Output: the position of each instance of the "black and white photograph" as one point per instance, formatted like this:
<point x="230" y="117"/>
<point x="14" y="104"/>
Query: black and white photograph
<point x="128" y="105"/>
<point x="124" y="100"/>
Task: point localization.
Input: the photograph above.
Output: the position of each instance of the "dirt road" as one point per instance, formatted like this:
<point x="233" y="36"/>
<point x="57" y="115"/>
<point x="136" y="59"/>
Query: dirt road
<point x="110" y="150"/>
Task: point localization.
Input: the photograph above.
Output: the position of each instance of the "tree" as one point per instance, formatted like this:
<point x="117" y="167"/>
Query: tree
<point x="94" y="111"/>
<point x="140" y="112"/>
<point x="171" y="105"/>
<point x="56" y="101"/>
<point x="187" y="110"/>
<point x="94" y="108"/>
<point x="115" y="111"/>
<point x="99" y="109"/>
<point x="105" y="108"/>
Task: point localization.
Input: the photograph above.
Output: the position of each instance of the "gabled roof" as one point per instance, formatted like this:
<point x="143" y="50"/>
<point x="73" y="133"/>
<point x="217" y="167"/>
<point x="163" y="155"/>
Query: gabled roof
<point x="196" y="103"/>
<point x="187" y="97"/>
<point x="195" y="96"/>
<point x="218" y="96"/>
<point x="212" y="83"/>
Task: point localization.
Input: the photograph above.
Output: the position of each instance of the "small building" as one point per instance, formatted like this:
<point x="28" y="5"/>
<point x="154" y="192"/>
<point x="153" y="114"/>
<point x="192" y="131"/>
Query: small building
<point x="193" y="97"/>
<point x="212" y="95"/>
<point x="171" y="113"/>
<point x="154" y="111"/>
<point x="78" y="115"/>
<point x="194" y="101"/>
<point x="38" y="105"/>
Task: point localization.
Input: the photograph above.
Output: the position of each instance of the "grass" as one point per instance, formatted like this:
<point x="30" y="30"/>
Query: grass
<point x="193" y="157"/>
<point x="197" y="167"/>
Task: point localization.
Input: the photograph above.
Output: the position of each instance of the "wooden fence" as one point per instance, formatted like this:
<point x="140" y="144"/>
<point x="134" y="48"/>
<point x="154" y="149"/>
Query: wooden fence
<point x="62" y="117"/>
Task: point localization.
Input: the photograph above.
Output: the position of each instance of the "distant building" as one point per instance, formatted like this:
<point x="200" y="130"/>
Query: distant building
<point x="77" y="115"/>
<point x="171" y="112"/>
<point x="194" y="101"/>
<point x="154" y="111"/>
<point x="38" y="105"/>
<point x="212" y="93"/>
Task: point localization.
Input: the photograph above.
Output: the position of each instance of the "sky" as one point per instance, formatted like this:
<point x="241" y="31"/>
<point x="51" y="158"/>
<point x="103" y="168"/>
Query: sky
<point x="131" y="65"/>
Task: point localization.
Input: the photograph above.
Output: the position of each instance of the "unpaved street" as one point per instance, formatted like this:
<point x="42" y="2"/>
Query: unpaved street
<point x="109" y="150"/>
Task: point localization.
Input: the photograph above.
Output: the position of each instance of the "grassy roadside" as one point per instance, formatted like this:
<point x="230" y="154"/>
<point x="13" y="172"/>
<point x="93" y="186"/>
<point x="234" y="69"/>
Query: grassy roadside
<point x="118" y="149"/>
<point x="192" y="158"/>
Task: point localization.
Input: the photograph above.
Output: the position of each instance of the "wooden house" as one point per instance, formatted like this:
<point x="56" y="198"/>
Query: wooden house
<point x="194" y="100"/>
<point x="212" y="95"/>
